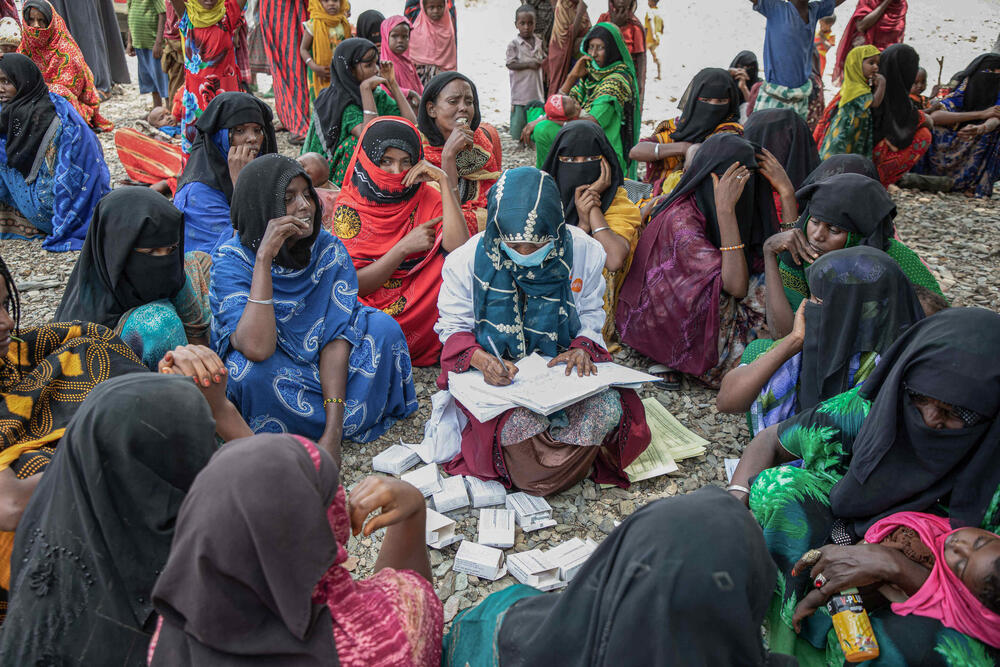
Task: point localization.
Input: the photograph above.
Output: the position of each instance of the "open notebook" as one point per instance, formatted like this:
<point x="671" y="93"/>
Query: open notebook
<point x="538" y="388"/>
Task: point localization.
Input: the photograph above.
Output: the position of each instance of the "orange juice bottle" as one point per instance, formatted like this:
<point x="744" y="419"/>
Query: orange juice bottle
<point x="854" y="628"/>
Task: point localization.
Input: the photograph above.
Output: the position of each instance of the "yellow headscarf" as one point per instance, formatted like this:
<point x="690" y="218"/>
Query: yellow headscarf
<point x="205" y="18"/>
<point x="322" y="24"/>
<point x="855" y="84"/>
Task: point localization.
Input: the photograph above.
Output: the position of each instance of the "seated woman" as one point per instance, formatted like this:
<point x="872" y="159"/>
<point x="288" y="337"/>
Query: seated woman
<point x="134" y="278"/>
<point x="303" y="353"/>
<point x="449" y="119"/>
<point x="902" y="133"/>
<point x="48" y="43"/>
<point x="553" y="272"/>
<point x="861" y="302"/>
<point x="354" y="98"/>
<point x="398" y="229"/>
<point x="234" y="129"/>
<point x="603" y="82"/>
<point x="638" y="592"/>
<point x="98" y="528"/>
<point x="841" y="211"/>
<point x="694" y="296"/>
<point x="233" y="592"/>
<point x="745" y="70"/>
<point x="784" y="136"/>
<point x="52" y="170"/>
<point x="921" y="434"/>
<point x="712" y="106"/>
<point x="934" y="571"/>
<point x="590" y="182"/>
<point x="846" y="126"/>
<point x="966" y="142"/>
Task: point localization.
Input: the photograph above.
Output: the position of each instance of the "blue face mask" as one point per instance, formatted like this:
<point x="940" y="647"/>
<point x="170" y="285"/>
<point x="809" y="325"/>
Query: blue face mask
<point x="534" y="259"/>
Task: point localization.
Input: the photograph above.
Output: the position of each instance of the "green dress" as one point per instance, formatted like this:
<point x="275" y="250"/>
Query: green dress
<point x="792" y="505"/>
<point x="353" y="116"/>
<point x="849" y="129"/>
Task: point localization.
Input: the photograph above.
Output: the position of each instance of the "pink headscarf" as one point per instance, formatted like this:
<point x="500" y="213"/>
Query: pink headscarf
<point x="406" y="71"/>
<point x="943" y="596"/>
<point x="433" y="42"/>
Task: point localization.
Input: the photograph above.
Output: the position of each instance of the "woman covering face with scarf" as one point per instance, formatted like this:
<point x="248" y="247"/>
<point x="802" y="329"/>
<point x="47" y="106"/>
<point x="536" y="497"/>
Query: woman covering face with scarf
<point x="554" y="272"/>
<point x="288" y="323"/>
<point x="52" y="167"/>
<point x="788" y="155"/>
<point x="398" y="229"/>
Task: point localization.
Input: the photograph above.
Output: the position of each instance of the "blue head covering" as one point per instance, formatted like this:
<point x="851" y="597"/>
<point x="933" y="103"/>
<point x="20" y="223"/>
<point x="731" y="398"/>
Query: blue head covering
<point x="524" y="309"/>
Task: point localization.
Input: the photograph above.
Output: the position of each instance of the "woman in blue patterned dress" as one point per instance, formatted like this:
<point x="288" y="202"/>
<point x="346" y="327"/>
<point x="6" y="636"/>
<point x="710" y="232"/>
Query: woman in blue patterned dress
<point x="304" y="356"/>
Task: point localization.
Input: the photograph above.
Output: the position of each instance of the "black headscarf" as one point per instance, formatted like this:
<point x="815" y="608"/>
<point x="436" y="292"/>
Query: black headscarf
<point x="582" y="138"/>
<point x="898" y="463"/>
<point x="237" y="589"/>
<point x="344" y="89"/>
<point x="110" y="277"/>
<point x="28" y="121"/>
<point x="207" y="163"/>
<point x="867" y="303"/>
<point x="378" y="138"/>
<point x="981" y="88"/>
<point x="788" y="137"/>
<point x="260" y="198"/>
<point x="432" y="90"/>
<point x="683" y="581"/>
<point x="41" y="5"/>
<point x="897" y="119"/>
<point x="370" y="25"/>
<point x="747" y="60"/>
<point x="699" y="119"/>
<point x="755" y="212"/>
<point x="852" y="202"/>
<point x="98" y="528"/>
<point x="843" y="163"/>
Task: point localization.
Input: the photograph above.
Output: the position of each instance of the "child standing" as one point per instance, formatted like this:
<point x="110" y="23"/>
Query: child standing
<point x="525" y="56"/>
<point x="326" y="28"/>
<point x="825" y="40"/>
<point x="432" y="41"/>
<point x="144" y="40"/>
<point x="654" y="29"/>
<point x="172" y="60"/>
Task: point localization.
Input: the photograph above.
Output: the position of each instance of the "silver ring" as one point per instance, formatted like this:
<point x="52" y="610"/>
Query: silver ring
<point x="819" y="581"/>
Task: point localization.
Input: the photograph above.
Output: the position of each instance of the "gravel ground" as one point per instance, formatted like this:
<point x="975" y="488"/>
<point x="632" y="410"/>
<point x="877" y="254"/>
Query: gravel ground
<point x="954" y="235"/>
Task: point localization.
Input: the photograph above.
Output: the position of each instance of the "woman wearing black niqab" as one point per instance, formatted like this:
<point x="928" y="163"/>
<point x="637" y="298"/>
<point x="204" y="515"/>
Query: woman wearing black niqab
<point x="98" y="528"/>
<point x="902" y="133"/>
<point x="700" y="117"/>
<point x="786" y="136"/>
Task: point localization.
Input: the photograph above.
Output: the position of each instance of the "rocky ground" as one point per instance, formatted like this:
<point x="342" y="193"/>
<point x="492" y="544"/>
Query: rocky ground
<point x="956" y="236"/>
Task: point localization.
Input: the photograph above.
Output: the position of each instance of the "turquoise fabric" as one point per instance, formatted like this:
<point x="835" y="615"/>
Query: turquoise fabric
<point x="474" y="632"/>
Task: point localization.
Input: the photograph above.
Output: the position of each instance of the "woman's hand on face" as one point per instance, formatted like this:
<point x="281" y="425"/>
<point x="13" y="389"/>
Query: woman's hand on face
<point x="846" y="567"/>
<point x="496" y="372"/>
<point x="278" y="231"/>
<point x="373" y="82"/>
<point x="419" y="239"/>
<point x="580" y="67"/>
<point x="584" y="200"/>
<point x="238" y="158"/>
<point x="775" y="174"/>
<point x="387" y="71"/>
<point x="603" y="182"/>
<point x="397" y="500"/>
<point x="460" y="139"/>
<point x="576" y="358"/>
<point x="793" y="241"/>
<point x="425" y="172"/>
<point x="202" y="365"/>
<point x="729" y="188"/>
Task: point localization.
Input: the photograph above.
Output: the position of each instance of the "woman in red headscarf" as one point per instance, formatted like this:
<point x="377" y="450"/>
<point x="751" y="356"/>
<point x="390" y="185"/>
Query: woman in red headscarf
<point x="397" y="229"/>
<point x="880" y="23"/>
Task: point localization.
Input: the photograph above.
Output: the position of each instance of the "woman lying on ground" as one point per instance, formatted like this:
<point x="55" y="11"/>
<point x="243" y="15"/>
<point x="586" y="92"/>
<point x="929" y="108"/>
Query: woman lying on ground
<point x="841" y="211"/>
<point x="590" y="182"/>
<point x="554" y="273"/>
<point x="303" y="353"/>
<point x="233" y="130"/>
<point x="707" y="579"/>
<point x="134" y="277"/>
<point x="861" y="301"/>
<point x="919" y="435"/>
<point x="712" y="106"/>
<point x="694" y="296"/>
<point x="354" y="98"/>
<point x="52" y="167"/>
<point x="398" y="230"/>
<point x="233" y="593"/>
<point x="455" y="141"/>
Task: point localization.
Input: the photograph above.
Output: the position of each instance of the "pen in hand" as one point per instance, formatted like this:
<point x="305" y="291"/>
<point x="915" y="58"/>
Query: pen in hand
<point x="496" y="353"/>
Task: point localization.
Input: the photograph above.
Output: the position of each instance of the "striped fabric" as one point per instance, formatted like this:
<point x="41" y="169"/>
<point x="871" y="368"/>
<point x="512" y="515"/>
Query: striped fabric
<point x="281" y="23"/>
<point x="147" y="160"/>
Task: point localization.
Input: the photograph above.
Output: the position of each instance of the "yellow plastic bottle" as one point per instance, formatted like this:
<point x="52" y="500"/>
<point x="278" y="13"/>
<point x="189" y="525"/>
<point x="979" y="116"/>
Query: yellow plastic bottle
<point x="854" y="628"/>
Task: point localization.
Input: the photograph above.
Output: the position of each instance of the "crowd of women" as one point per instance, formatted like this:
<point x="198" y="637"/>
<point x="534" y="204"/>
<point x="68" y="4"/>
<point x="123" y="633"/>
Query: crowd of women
<point x="281" y="304"/>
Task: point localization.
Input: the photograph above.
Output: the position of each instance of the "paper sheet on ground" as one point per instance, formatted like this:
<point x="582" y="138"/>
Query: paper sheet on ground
<point x="679" y="441"/>
<point x="537" y="387"/>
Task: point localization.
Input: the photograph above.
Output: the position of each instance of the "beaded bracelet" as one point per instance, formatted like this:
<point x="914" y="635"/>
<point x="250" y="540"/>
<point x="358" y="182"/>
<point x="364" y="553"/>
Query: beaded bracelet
<point x="734" y="247"/>
<point x="332" y="400"/>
